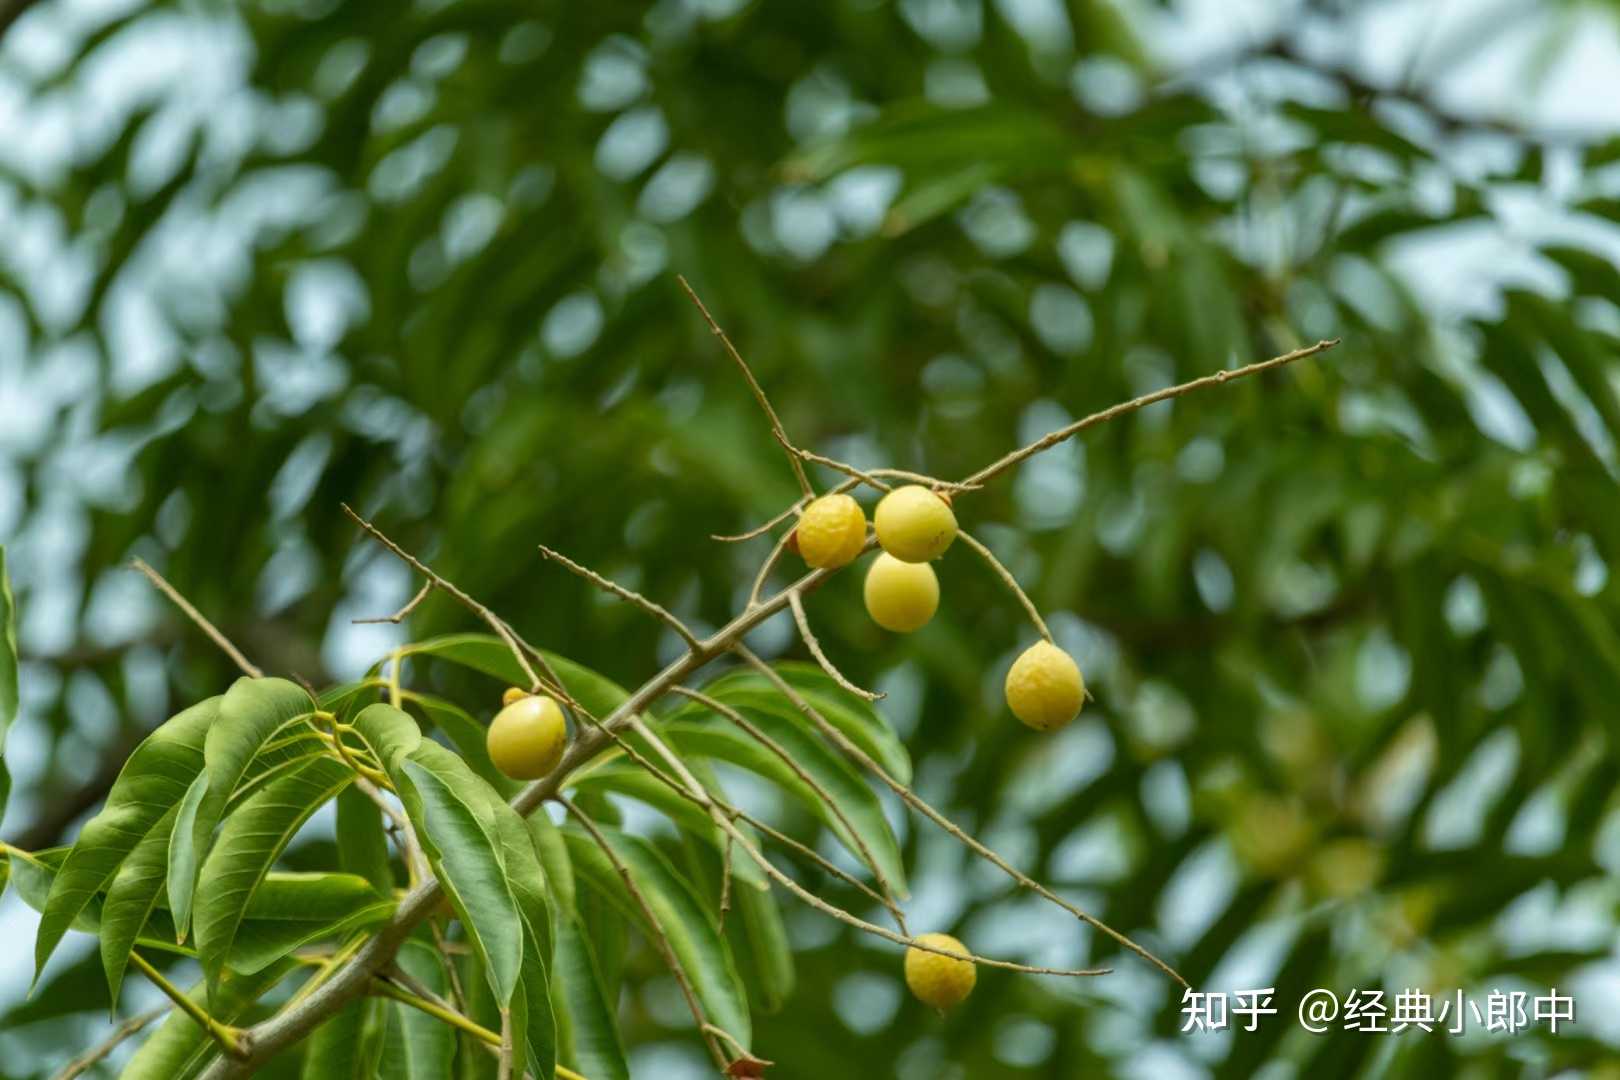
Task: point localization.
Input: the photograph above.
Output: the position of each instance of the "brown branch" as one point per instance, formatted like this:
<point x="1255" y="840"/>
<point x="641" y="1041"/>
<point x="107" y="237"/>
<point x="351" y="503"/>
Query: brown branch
<point x="1113" y="412"/>
<point x="761" y="530"/>
<point x="1006" y="579"/>
<point x="224" y="643"/>
<point x="821" y="657"/>
<point x="759" y="391"/>
<point x="399" y="616"/>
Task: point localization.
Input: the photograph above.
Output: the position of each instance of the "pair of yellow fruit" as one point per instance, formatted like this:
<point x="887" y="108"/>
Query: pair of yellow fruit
<point x="914" y="526"/>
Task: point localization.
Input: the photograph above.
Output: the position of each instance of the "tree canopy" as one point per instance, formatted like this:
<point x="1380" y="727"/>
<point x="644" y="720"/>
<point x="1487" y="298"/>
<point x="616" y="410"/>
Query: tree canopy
<point x="1349" y="627"/>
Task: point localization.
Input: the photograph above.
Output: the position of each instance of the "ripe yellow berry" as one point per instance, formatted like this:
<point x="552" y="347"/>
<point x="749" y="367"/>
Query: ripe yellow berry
<point x="526" y="738"/>
<point x="512" y="694"/>
<point x="901" y="596"/>
<point x="1044" y="687"/>
<point x="914" y="524"/>
<point x="938" y="980"/>
<point x="831" y="531"/>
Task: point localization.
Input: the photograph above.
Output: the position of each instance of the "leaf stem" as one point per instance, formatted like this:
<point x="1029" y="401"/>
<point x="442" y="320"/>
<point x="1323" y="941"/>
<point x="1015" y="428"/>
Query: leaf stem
<point x="227" y="1036"/>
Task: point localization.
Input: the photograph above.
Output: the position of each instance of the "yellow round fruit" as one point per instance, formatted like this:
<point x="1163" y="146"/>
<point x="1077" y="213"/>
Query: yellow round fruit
<point x="526" y="738"/>
<point x="938" y="980"/>
<point x="901" y="596"/>
<point x="512" y="694"/>
<point x="1044" y="687"/>
<point x="831" y="531"/>
<point x="914" y="524"/>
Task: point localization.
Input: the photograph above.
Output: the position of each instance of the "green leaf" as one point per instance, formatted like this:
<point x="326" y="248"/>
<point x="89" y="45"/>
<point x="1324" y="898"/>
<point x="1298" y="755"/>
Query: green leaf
<point x="362" y="845"/>
<point x="389" y="733"/>
<point x="457" y="833"/>
<point x="291" y="910"/>
<point x="131" y="897"/>
<point x="719" y="738"/>
<point x="587" y="1028"/>
<point x="151" y="782"/>
<point x="347" y="1046"/>
<point x="528" y="884"/>
<point x="250" y="714"/>
<point x="865" y="726"/>
<point x="468" y="736"/>
<point x="8" y="674"/>
<point x="768" y="949"/>
<point x="182" y="856"/>
<point x="553" y="851"/>
<point x="418" y="1046"/>
<point x="680" y="915"/>
<point x="250" y="840"/>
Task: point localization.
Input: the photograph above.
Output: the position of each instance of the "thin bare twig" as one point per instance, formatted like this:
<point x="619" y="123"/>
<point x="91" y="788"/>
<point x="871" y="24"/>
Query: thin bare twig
<point x="725" y="882"/>
<point x="1051" y="439"/>
<point x="551" y="682"/>
<point x="90" y="1058"/>
<point x="866" y="760"/>
<point x="759" y="391"/>
<point x="654" y="931"/>
<point x="1006" y="579"/>
<point x="821" y="658"/>
<point x="657" y="611"/>
<point x="798" y="504"/>
<point x="248" y="667"/>
<point x="410" y="605"/>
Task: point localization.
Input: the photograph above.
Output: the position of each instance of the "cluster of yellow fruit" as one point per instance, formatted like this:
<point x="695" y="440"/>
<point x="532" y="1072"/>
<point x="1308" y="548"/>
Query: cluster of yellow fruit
<point x="915" y="526"/>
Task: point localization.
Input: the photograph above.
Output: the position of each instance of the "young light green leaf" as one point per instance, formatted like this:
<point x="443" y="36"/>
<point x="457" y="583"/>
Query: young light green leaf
<point x="362" y="845"/>
<point x="553" y="851"/>
<point x="587" y="1028"/>
<point x="152" y="781"/>
<point x="8" y="673"/>
<point x="389" y="733"/>
<point x="182" y="856"/>
<point x="682" y="917"/>
<point x="250" y="840"/>
<point x="251" y="711"/>
<point x="457" y="832"/>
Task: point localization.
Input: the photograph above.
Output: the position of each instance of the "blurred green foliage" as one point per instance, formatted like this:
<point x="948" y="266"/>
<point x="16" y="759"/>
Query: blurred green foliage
<point x="1351" y="629"/>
